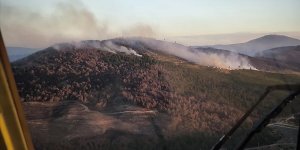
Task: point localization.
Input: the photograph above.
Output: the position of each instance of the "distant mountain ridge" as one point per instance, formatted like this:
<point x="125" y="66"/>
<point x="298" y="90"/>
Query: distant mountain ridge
<point x="258" y="45"/>
<point x="287" y="60"/>
<point x="15" y="53"/>
<point x="288" y="54"/>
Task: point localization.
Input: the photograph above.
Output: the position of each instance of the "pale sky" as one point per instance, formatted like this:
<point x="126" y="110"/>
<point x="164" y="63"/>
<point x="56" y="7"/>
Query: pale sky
<point x="36" y="23"/>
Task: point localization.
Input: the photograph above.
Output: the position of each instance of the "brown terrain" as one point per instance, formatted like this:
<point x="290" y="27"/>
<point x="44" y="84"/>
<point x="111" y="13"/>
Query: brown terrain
<point x="92" y="99"/>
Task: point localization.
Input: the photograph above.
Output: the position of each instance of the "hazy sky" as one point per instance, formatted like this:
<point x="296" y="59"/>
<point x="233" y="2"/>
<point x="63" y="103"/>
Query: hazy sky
<point x="36" y="23"/>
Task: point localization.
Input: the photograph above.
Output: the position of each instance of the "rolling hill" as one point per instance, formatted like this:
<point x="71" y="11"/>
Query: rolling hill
<point x="204" y="56"/>
<point x="137" y="94"/>
<point x="289" y="54"/>
<point x="260" y="62"/>
<point x="260" y="44"/>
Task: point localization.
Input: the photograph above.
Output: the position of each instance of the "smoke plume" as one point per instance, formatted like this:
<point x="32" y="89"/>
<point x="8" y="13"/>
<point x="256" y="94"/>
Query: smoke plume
<point x="231" y="61"/>
<point x="140" y="30"/>
<point x="67" y="21"/>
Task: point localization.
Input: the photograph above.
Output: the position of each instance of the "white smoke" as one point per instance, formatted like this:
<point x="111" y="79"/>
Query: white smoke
<point x="230" y="61"/>
<point x="110" y="46"/>
<point x="65" y="21"/>
<point x="100" y="45"/>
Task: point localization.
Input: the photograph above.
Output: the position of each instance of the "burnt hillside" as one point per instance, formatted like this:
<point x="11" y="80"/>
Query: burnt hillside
<point x="164" y="99"/>
<point x="91" y="76"/>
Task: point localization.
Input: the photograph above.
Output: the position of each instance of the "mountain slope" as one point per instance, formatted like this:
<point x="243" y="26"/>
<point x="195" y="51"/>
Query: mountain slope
<point x="204" y="56"/>
<point x="290" y="54"/>
<point x="140" y="45"/>
<point x="199" y="55"/>
<point x="100" y="95"/>
<point x="257" y="45"/>
<point x="259" y="62"/>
